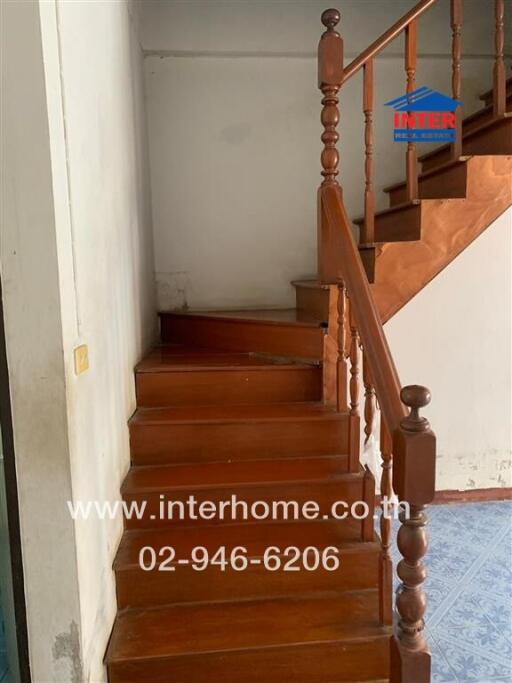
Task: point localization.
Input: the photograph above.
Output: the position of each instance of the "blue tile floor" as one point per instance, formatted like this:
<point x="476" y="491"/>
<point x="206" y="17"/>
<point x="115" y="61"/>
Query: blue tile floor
<point x="469" y="592"/>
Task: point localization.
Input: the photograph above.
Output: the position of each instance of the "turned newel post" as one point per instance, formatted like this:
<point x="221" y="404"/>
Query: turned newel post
<point x="330" y="77"/>
<point x="414" y="447"/>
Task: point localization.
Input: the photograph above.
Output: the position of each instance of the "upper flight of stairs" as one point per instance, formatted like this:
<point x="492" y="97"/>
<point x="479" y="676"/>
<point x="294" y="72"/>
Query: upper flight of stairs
<point x="242" y="415"/>
<point x="458" y="200"/>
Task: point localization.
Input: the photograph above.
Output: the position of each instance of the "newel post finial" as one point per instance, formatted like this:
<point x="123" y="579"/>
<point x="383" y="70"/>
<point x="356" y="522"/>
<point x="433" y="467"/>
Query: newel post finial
<point x="415" y="397"/>
<point x="330" y="76"/>
<point x="330" y="18"/>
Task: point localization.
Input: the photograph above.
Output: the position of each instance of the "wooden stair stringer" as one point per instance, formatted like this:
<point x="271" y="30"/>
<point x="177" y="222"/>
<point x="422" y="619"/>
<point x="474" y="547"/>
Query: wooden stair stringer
<point x="448" y="227"/>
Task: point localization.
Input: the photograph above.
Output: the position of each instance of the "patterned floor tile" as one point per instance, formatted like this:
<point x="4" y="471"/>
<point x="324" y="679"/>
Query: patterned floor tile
<point x="469" y="592"/>
<point x="472" y="667"/>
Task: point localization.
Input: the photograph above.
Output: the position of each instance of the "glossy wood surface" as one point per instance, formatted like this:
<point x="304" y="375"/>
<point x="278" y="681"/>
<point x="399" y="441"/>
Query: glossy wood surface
<point x="499" y="83"/>
<point x="270" y="640"/>
<point x="447" y="228"/>
<point x="411" y="163"/>
<point x="399" y="223"/>
<point x="190" y="443"/>
<point x="139" y="589"/>
<point x="237" y="433"/>
<point x="171" y="378"/>
<point x="446" y="181"/>
<point x="414" y="447"/>
<point x="369" y="326"/>
<point x="311" y="299"/>
<point x="386" y="38"/>
<point x="368" y="228"/>
<point x="490" y="136"/>
<point x="289" y="333"/>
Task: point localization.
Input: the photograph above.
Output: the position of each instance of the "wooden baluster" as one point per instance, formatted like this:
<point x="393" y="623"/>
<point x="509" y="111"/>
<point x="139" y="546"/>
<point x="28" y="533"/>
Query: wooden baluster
<point x="354" y="364"/>
<point x="369" y="399"/>
<point x="330" y="76"/>
<point x="386" y="492"/>
<point x="456" y="24"/>
<point x="499" y="96"/>
<point x="410" y="70"/>
<point x="354" y="419"/>
<point x="342" y="373"/>
<point x="414" y="449"/>
<point x="368" y="231"/>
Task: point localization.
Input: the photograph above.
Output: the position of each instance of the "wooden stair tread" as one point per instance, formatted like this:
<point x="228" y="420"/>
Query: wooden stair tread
<point x="474" y="131"/>
<point x="234" y="413"/>
<point x="229" y="627"/>
<point x="179" y="359"/>
<point x="310" y="283"/>
<point x="215" y="475"/>
<point x="255" y="537"/>
<point x="427" y="174"/>
<point x="276" y="316"/>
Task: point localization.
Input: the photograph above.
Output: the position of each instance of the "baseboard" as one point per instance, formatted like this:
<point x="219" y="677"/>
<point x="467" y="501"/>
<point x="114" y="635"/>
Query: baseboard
<point x="472" y="496"/>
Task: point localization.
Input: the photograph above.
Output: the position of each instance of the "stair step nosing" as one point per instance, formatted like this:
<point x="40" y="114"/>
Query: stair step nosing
<point x="165" y="369"/>
<point x="234" y="420"/>
<point x="349" y="477"/>
<point x="374" y="632"/>
<point x="313" y="324"/>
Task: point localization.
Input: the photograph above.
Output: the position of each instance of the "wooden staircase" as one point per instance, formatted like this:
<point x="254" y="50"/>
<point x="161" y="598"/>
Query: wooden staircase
<point x="265" y="406"/>
<point x="226" y="420"/>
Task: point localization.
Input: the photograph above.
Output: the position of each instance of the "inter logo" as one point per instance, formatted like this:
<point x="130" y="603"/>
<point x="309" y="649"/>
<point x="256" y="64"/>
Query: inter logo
<point x="424" y="115"/>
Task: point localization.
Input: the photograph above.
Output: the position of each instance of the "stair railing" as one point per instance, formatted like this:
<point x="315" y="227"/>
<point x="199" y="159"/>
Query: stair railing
<point x="407" y="444"/>
<point x="332" y="75"/>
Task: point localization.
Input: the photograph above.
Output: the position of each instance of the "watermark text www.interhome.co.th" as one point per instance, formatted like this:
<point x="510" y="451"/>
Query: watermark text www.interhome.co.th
<point x="232" y="509"/>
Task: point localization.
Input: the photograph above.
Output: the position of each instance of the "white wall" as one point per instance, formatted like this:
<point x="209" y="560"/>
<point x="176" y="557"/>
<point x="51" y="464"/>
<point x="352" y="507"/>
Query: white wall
<point x="455" y="338"/>
<point x="234" y="131"/>
<point x="33" y="326"/>
<point x="77" y="268"/>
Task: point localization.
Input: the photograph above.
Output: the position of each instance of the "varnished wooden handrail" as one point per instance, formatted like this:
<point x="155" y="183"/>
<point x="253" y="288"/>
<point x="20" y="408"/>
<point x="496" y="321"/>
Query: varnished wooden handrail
<point x="351" y="271"/>
<point x="386" y="38"/>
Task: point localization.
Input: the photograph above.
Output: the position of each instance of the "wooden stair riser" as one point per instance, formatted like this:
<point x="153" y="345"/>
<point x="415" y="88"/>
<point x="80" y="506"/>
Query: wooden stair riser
<point x="313" y="300"/>
<point x="480" y="117"/>
<point x="348" y="489"/>
<point x="488" y="96"/>
<point x="281" y="339"/>
<point x="204" y="442"/>
<point x="302" y="663"/>
<point x="448" y="183"/>
<point x="495" y="139"/>
<point x="228" y="386"/>
<point x="402" y="224"/>
<point x="139" y="589"/>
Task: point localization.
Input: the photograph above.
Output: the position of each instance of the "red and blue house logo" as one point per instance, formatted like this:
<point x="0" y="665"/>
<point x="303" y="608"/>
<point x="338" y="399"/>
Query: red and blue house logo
<point x="424" y="115"/>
